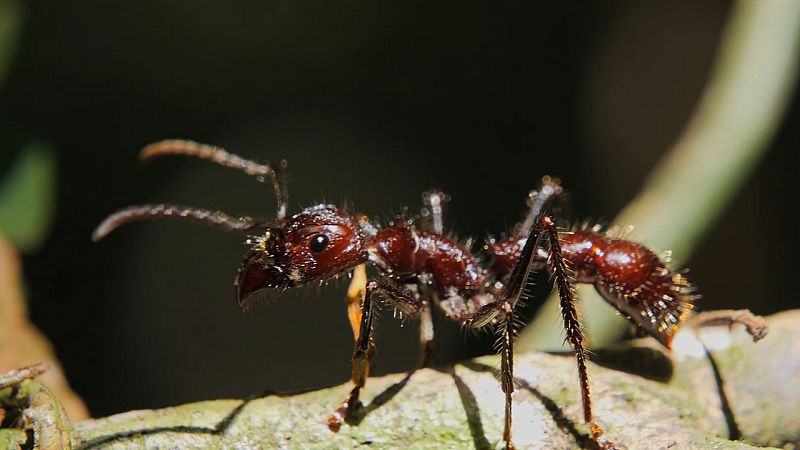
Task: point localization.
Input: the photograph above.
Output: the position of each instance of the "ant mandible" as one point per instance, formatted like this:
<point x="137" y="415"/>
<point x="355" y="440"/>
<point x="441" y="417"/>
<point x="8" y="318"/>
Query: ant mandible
<point x="419" y="268"/>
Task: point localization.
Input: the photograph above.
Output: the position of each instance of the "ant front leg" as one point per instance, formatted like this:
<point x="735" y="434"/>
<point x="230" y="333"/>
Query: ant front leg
<point x="365" y="345"/>
<point x="357" y="289"/>
<point x="356" y="293"/>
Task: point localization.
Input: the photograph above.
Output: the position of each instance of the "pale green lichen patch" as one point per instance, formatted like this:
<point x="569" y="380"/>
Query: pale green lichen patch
<point x="11" y="438"/>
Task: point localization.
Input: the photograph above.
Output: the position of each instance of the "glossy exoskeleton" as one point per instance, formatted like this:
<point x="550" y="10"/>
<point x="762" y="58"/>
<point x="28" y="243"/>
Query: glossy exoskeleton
<point x="416" y="269"/>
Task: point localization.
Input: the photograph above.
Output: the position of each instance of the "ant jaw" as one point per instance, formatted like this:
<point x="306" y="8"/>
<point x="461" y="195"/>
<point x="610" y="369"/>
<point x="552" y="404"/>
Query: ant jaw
<point x="256" y="280"/>
<point x="259" y="273"/>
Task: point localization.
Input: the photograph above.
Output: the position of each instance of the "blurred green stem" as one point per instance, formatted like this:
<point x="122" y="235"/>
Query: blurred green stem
<point x="738" y="114"/>
<point x="10" y="13"/>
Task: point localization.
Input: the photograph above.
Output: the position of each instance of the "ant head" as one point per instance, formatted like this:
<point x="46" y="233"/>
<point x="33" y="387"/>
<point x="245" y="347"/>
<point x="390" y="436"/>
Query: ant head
<point x="317" y="244"/>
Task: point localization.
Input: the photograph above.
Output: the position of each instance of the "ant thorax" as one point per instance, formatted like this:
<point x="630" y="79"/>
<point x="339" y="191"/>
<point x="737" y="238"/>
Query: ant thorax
<point x="402" y="252"/>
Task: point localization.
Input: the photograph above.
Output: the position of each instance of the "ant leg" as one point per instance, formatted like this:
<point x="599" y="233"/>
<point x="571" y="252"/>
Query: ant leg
<point x="358" y="283"/>
<point x="755" y="325"/>
<point x="356" y="293"/>
<point x="362" y="353"/>
<point x="355" y="298"/>
<point x="365" y="346"/>
<point x="475" y="316"/>
<point x="217" y="219"/>
<point x="428" y="355"/>
<point x="539" y="201"/>
<point x="435" y="200"/>
<point x="426" y="331"/>
<point x="471" y="314"/>
<point x="566" y="294"/>
<point x="220" y="156"/>
<point x="503" y="308"/>
<point x="502" y="311"/>
<point x="507" y="252"/>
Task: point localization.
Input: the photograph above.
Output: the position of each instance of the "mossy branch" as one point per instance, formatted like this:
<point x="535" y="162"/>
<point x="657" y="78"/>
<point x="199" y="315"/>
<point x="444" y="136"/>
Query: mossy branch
<point x="660" y="400"/>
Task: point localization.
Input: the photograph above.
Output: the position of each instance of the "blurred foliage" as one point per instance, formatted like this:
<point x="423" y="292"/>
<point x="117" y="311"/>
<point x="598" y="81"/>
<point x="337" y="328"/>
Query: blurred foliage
<point x="27" y="197"/>
<point x="730" y="131"/>
<point x="27" y="191"/>
<point x="9" y="33"/>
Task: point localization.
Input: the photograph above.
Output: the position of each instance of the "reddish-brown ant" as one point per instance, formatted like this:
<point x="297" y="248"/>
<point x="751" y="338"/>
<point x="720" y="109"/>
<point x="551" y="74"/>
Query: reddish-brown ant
<point x="418" y="268"/>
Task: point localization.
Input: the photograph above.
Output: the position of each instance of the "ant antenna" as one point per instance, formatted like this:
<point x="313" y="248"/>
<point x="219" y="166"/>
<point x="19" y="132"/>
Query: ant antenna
<point x="222" y="157"/>
<point x="216" y="219"/>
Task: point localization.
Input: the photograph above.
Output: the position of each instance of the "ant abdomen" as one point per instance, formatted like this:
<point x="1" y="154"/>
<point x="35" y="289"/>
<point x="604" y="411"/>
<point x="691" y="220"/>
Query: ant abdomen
<point x="633" y="278"/>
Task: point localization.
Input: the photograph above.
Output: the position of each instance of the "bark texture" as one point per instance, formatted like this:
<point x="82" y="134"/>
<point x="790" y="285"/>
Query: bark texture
<point x="645" y="397"/>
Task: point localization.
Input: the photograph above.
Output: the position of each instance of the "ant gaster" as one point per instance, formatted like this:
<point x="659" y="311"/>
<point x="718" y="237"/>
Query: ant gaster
<point x="416" y="269"/>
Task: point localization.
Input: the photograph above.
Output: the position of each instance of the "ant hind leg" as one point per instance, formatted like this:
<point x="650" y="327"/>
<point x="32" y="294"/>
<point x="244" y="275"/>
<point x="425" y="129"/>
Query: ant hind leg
<point x="566" y="294"/>
<point x="502" y="309"/>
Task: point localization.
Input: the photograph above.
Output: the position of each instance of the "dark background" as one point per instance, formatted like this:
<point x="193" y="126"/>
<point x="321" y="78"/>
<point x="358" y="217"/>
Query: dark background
<point x="371" y="104"/>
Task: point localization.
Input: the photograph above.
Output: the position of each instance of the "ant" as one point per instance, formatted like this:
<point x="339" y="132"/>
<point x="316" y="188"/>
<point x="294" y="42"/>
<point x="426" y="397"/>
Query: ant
<point x="418" y="268"/>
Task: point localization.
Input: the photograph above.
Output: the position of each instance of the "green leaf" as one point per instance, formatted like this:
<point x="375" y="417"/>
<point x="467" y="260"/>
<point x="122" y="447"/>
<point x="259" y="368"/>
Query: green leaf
<point x="10" y="25"/>
<point x="27" y="197"/>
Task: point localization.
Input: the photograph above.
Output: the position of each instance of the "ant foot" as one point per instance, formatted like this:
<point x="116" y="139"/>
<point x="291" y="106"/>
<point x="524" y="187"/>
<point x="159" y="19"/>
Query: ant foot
<point x="601" y="442"/>
<point x="337" y="418"/>
<point x="343" y="412"/>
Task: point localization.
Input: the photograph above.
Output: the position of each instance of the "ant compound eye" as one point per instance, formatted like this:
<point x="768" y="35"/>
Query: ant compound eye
<point x="319" y="242"/>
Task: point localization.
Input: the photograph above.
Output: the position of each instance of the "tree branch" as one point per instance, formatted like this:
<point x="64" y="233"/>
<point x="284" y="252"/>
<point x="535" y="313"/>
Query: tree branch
<point x="660" y="400"/>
